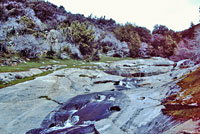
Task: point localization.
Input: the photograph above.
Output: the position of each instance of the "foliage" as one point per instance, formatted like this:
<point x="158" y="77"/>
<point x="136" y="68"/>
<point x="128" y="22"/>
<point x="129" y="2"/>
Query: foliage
<point x="128" y="34"/>
<point x="39" y="34"/>
<point x="160" y="29"/>
<point x="28" y="53"/>
<point x="144" y="33"/>
<point x="63" y="26"/>
<point x="44" y="11"/>
<point x="75" y="17"/>
<point x="189" y="33"/>
<point x="104" y="21"/>
<point x="82" y="34"/>
<point x="163" y="30"/>
<point x="164" y="41"/>
<point x="28" y="22"/>
<point x="170" y="45"/>
<point x="106" y="46"/>
<point x="163" y="46"/>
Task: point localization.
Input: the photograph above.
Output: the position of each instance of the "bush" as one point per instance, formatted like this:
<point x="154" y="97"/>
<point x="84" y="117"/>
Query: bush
<point x="44" y="11"/>
<point x="164" y="41"/>
<point x="128" y="34"/>
<point x="28" y="22"/>
<point x="163" y="45"/>
<point x="81" y="34"/>
<point x="170" y="45"/>
<point x="106" y="46"/>
<point x="39" y="35"/>
<point x="29" y="53"/>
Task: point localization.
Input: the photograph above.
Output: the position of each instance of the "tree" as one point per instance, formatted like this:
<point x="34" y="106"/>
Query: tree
<point x="169" y="46"/>
<point x="160" y="29"/>
<point x="144" y="33"/>
<point x="163" y="45"/>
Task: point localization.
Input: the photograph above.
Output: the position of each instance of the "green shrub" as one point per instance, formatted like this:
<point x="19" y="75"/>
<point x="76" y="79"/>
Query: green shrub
<point x="39" y="34"/>
<point x="82" y="34"/>
<point x="27" y="21"/>
<point x="128" y="34"/>
<point x="63" y="26"/>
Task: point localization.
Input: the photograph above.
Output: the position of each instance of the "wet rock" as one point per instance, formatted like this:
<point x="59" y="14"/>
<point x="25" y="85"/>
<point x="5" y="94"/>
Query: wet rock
<point x="83" y="110"/>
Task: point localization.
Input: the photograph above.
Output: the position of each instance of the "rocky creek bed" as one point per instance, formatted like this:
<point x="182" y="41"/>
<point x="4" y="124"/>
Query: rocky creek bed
<point x="122" y="97"/>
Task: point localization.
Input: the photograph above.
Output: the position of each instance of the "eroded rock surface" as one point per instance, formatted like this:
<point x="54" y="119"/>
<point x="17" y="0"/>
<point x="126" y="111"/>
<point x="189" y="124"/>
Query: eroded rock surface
<point x="85" y="101"/>
<point x="11" y="76"/>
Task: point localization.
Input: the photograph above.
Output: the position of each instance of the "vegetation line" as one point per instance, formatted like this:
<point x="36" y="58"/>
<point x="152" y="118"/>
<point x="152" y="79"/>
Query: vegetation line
<point x="24" y="80"/>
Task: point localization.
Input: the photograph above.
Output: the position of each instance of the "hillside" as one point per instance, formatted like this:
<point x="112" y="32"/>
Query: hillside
<point x="35" y="29"/>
